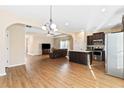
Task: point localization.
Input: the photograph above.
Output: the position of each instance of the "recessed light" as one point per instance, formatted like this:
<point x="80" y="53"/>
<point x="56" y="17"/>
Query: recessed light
<point x="56" y="29"/>
<point x="66" y="23"/>
<point x="103" y="9"/>
<point x="43" y="27"/>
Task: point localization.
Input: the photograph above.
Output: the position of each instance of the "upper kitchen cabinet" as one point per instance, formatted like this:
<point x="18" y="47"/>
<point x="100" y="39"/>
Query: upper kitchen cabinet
<point x="97" y="36"/>
<point x="89" y="40"/>
<point x="96" y="39"/>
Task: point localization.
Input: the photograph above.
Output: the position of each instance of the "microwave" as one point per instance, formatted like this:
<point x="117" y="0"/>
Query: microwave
<point x="98" y="42"/>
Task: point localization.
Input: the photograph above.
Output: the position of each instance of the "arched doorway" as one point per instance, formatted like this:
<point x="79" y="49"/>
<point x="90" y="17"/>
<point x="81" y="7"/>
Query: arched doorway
<point x="15" y="45"/>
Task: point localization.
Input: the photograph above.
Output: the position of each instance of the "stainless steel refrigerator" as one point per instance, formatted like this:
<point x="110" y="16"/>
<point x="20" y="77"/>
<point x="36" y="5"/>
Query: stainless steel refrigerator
<point x="114" y="54"/>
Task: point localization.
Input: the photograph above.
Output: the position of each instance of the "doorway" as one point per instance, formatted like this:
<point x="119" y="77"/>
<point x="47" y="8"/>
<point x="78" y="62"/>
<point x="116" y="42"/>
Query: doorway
<point x="15" y="45"/>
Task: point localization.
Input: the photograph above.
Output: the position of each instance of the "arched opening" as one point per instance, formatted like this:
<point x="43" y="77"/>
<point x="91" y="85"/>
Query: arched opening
<point x="18" y="47"/>
<point x="15" y="45"/>
<point x="22" y="41"/>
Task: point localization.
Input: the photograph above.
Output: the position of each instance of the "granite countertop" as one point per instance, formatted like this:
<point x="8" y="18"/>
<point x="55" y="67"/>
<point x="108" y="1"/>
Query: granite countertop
<point x="80" y="51"/>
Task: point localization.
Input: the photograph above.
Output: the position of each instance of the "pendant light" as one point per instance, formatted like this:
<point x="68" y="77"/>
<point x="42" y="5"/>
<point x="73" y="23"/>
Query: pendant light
<point x="50" y="26"/>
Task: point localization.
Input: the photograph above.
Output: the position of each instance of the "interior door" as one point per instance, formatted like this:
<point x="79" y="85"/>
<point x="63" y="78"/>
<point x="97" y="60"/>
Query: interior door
<point x="115" y="54"/>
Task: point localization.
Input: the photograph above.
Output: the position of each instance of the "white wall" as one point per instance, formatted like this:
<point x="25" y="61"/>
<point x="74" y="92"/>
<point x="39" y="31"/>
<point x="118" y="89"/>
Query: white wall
<point x="34" y="42"/>
<point x="79" y="40"/>
<point x="16" y="46"/>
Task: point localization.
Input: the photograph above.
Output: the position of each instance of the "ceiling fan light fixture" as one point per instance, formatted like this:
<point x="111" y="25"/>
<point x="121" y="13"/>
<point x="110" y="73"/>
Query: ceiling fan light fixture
<point x="50" y="26"/>
<point x="44" y="27"/>
<point x="53" y="26"/>
<point x="49" y="35"/>
<point x="55" y="29"/>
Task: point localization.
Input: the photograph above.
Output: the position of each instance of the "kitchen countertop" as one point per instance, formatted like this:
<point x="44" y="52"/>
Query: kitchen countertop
<point x="81" y="51"/>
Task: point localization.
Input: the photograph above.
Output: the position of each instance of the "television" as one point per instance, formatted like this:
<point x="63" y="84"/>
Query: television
<point x="45" y="46"/>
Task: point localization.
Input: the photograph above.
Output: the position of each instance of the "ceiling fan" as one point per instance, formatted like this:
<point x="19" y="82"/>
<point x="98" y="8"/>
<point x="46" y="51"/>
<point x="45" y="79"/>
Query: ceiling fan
<point x="50" y="26"/>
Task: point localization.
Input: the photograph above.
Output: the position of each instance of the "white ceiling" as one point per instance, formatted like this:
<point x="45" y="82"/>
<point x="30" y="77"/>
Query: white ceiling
<point x="76" y="18"/>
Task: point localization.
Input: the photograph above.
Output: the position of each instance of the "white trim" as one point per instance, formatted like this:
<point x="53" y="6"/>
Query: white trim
<point x="34" y="54"/>
<point x="3" y="74"/>
<point x="2" y="71"/>
<point x="16" y="65"/>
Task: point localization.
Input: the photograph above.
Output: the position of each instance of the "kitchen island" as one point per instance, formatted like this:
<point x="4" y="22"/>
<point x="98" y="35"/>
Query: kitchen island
<point x="81" y="57"/>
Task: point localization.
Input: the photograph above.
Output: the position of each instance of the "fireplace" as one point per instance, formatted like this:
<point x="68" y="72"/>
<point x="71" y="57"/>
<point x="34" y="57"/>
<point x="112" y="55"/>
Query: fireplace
<point x="45" y="48"/>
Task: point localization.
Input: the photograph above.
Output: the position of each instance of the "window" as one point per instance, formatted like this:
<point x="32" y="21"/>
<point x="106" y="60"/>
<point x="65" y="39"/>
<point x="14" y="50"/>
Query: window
<point x="64" y="44"/>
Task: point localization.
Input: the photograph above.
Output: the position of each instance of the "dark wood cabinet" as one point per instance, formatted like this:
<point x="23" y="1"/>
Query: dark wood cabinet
<point x="98" y="42"/>
<point x="80" y="57"/>
<point x="100" y="35"/>
<point x="95" y="36"/>
<point x="89" y="40"/>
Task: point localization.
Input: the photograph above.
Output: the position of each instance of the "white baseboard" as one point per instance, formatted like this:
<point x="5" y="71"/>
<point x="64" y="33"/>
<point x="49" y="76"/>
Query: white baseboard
<point x="2" y="71"/>
<point x="34" y="54"/>
<point x="2" y="74"/>
<point x="16" y="65"/>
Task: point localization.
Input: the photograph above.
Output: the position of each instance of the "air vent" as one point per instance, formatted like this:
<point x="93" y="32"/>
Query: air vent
<point x="28" y="26"/>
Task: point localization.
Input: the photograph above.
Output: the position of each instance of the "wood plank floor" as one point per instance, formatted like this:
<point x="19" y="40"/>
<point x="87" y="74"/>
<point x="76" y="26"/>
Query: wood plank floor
<point x="40" y="71"/>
